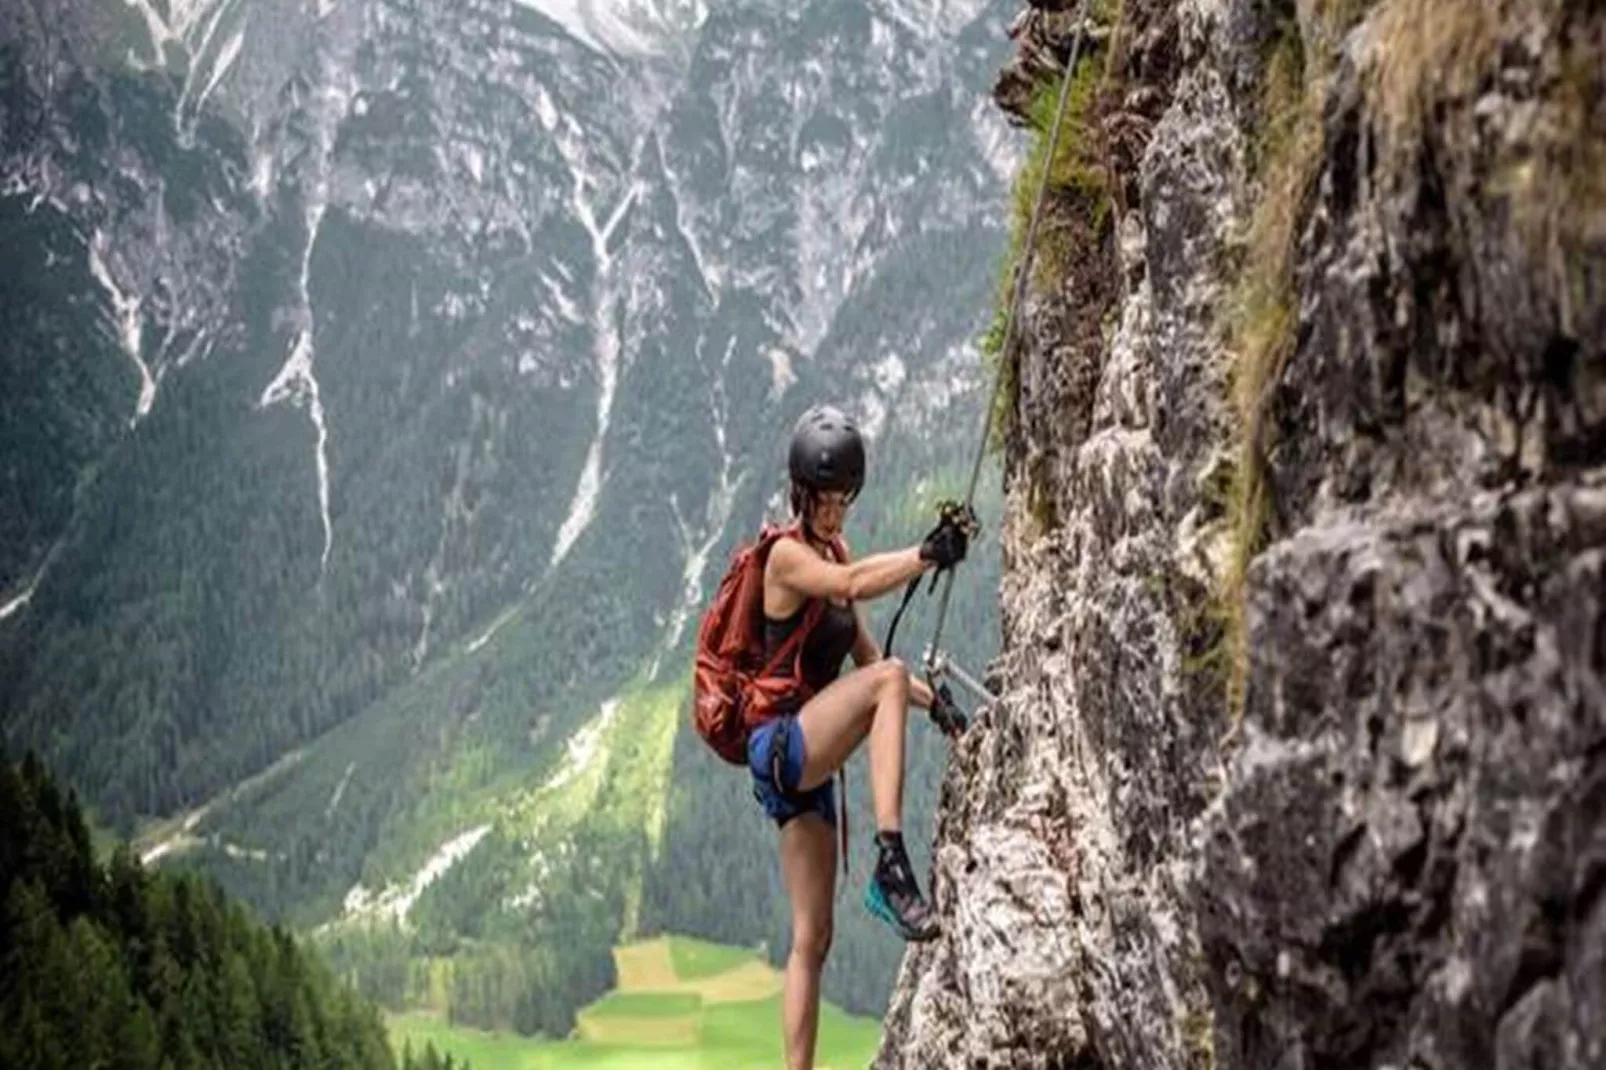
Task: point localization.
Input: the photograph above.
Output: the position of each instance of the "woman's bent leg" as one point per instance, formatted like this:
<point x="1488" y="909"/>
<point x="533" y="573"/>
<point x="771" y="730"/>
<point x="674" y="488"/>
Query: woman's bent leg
<point x="872" y="700"/>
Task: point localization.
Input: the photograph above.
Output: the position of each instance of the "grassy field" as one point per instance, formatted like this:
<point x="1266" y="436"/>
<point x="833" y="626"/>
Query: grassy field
<point x="681" y="1004"/>
<point x="694" y="959"/>
<point x="646" y="1004"/>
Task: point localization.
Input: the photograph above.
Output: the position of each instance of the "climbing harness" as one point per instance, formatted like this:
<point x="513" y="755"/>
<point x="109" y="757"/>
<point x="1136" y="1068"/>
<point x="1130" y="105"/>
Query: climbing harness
<point x="937" y="664"/>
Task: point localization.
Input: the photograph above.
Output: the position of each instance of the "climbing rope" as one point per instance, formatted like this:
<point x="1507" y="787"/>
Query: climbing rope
<point x="935" y="665"/>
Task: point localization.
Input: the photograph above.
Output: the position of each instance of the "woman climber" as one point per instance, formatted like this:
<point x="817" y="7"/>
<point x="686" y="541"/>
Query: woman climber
<point x="792" y="756"/>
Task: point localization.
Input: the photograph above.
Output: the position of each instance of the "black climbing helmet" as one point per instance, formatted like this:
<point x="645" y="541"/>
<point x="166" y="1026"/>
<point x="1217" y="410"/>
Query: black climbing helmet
<point x="827" y="452"/>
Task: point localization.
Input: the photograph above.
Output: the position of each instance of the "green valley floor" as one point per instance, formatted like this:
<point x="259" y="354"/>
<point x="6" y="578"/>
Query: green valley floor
<point x="680" y="1004"/>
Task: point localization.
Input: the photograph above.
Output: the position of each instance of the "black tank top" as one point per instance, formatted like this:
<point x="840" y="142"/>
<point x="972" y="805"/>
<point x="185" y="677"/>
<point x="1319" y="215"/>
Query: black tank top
<point x="823" y="651"/>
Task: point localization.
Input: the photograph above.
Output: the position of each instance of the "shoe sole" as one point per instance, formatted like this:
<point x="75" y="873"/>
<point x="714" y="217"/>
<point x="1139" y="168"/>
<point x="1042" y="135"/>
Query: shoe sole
<point x="877" y="904"/>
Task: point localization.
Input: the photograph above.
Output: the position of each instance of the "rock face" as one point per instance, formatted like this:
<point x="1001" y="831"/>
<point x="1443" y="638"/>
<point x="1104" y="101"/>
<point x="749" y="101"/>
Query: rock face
<point x="1387" y="845"/>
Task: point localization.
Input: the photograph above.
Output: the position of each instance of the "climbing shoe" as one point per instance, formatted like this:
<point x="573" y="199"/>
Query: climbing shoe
<point x="892" y="894"/>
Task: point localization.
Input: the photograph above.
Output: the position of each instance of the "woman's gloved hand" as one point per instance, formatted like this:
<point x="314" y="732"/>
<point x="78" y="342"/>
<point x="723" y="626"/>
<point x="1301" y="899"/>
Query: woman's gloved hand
<point x="946" y="714"/>
<point x="945" y="546"/>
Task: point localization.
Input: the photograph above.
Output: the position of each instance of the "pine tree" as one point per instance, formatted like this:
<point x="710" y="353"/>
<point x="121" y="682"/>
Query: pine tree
<point x="236" y="1003"/>
<point x="137" y="1045"/>
<point x="38" y="982"/>
<point x="119" y="969"/>
<point x="99" y="993"/>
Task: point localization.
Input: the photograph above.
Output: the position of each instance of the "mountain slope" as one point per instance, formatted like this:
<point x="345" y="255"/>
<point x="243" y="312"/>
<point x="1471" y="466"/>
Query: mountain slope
<point x="412" y="375"/>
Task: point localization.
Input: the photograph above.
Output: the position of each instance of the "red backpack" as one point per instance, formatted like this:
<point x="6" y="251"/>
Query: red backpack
<point x="733" y="688"/>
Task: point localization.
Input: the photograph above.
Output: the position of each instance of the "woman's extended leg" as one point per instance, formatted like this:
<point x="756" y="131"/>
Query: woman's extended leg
<point x="808" y="868"/>
<point x="873" y="699"/>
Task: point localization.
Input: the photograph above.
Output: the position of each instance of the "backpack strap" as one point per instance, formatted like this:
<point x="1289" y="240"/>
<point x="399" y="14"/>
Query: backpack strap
<point x="839" y="550"/>
<point x="793" y="647"/>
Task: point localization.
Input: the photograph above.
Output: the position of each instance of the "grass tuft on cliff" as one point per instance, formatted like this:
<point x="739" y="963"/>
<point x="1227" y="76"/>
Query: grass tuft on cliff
<point x="1262" y="309"/>
<point x="1077" y="201"/>
<point x="1261" y="315"/>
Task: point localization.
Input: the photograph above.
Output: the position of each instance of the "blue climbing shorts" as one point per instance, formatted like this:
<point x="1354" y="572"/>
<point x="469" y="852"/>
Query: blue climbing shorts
<point x="775" y="758"/>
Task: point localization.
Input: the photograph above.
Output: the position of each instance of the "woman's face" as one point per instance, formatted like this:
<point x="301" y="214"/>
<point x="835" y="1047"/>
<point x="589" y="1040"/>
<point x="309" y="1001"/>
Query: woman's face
<point x="830" y="508"/>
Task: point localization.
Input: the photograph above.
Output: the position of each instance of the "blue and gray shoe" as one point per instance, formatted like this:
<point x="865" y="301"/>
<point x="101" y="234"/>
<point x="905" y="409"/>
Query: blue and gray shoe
<point x="893" y="896"/>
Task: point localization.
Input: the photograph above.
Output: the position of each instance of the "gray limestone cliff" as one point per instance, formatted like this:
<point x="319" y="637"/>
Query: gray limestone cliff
<point x="1301" y="755"/>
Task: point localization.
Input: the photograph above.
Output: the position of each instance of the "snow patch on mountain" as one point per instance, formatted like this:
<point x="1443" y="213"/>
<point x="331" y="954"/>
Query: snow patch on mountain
<point x="931" y="18"/>
<point x="396" y="901"/>
<point x="340" y="790"/>
<point x="781" y="373"/>
<point x="296" y="380"/>
<point x="18" y="602"/>
<point x="624" y="28"/>
<point x="833" y="215"/>
<point x="999" y="144"/>
<point x="696" y="553"/>
<point x="606" y="350"/>
<point x="156" y="26"/>
<point x="200" y="65"/>
<point x="583" y="746"/>
<point x="489" y="633"/>
<point x="711" y="273"/>
<point x="189" y="24"/>
<point x="594" y="24"/>
<point x="128" y="324"/>
<point x="225" y="60"/>
<point x="178" y="839"/>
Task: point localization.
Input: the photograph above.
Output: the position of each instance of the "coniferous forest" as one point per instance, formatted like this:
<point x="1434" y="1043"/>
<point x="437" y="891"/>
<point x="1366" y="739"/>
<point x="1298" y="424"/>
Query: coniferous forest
<point x="112" y="966"/>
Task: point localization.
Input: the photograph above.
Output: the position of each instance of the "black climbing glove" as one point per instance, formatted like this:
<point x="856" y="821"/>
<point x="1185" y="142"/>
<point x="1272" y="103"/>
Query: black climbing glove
<point x="946" y="714"/>
<point x="945" y="546"/>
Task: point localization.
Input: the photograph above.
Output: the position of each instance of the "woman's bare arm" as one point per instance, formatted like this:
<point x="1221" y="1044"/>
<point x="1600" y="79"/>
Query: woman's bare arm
<point x="795" y="566"/>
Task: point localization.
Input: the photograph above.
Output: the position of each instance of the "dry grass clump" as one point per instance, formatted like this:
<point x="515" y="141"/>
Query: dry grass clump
<point x="1261" y="315"/>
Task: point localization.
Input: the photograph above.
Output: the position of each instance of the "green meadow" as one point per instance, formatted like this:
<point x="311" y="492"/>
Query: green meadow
<point x="680" y="1004"/>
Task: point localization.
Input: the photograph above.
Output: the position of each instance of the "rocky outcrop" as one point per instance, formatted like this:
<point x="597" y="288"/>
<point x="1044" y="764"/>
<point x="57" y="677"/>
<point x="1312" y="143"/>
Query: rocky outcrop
<point x="1408" y="862"/>
<point x="1346" y="807"/>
